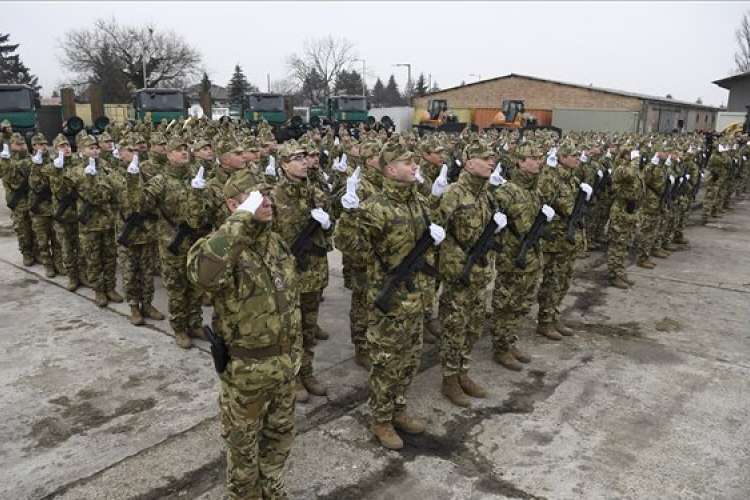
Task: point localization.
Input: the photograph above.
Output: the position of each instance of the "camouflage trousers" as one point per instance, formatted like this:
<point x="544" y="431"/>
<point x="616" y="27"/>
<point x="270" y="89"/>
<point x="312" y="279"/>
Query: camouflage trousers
<point x="395" y="344"/>
<point x="100" y="251"/>
<point x="309" y="303"/>
<point x="67" y="236"/>
<point x="44" y="237"/>
<point x="184" y="297"/>
<point x="137" y="279"/>
<point x="358" y="311"/>
<point x="24" y="231"/>
<point x="557" y="276"/>
<point x="428" y="284"/>
<point x="666" y="228"/>
<point x="711" y="202"/>
<point x="622" y="229"/>
<point x="649" y="232"/>
<point x="511" y="302"/>
<point x="258" y="429"/>
<point x="462" y="312"/>
<point x="726" y="193"/>
<point x="599" y="220"/>
<point x="347" y="270"/>
<point x="684" y="206"/>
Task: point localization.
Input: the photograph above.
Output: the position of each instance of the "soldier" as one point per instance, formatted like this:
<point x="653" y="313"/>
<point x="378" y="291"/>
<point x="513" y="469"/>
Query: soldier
<point x="232" y="159"/>
<point x="690" y="176"/>
<point x="172" y="195"/>
<point x="298" y="203"/>
<point x="136" y="237"/>
<point x="464" y="211"/>
<point x="107" y="148"/>
<point x="383" y="231"/>
<point x="719" y="166"/>
<point x="15" y="176"/>
<point x="40" y="207"/>
<point x="655" y="179"/>
<point x="628" y="192"/>
<point x="560" y="187"/>
<point x="521" y="200"/>
<point x="64" y="195"/>
<point x="96" y="194"/>
<point x="250" y="274"/>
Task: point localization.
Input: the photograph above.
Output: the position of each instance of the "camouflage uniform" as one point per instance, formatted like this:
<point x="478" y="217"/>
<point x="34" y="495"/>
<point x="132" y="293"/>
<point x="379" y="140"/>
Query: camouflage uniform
<point x="655" y="180"/>
<point x="521" y="201"/>
<point x="41" y="212"/>
<point x="15" y="176"/>
<point x="382" y="232"/>
<point x="250" y="274"/>
<point x="560" y="186"/>
<point x="669" y="208"/>
<point x="628" y="192"/>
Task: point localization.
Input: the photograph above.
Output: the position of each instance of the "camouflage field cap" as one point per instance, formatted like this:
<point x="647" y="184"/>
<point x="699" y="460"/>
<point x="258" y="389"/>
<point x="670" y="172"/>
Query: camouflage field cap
<point x="59" y="140"/>
<point x="87" y="141"/>
<point x="38" y="139"/>
<point x="244" y="181"/>
<point x="200" y="143"/>
<point x="477" y="149"/>
<point x="291" y="148"/>
<point x="228" y="146"/>
<point x="369" y="149"/>
<point x="158" y="138"/>
<point x="104" y="137"/>
<point x="128" y="142"/>
<point x="529" y="149"/>
<point x="5" y="124"/>
<point x="567" y="147"/>
<point x="17" y="139"/>
<point x="251" y="144"/>
<point x="175" y="143"/>
<point x="393" y="151"/>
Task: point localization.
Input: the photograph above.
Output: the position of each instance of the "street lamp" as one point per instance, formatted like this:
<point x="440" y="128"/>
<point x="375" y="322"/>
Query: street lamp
<point x="150" y="39"/>
<point x="408" y="77"/>
<point x="364" y="69"/>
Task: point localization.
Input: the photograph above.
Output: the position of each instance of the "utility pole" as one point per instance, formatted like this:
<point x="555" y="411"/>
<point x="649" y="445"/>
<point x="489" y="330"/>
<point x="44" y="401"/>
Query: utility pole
<point x="408" y="78"/>
<point x="150" y="39"/>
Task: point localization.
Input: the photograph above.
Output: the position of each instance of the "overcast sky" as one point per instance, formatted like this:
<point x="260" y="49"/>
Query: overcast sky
<point x="647" y="47"/>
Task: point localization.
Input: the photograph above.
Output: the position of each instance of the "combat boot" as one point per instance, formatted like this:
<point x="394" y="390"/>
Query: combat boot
<point x="681" y="240"/>
<point x="113" y="296"/>
<point x="321" y="334"/>
<point x="618" y="282"/>
<point x="181" y="339"/>
<point x="49" y="271"/>
<point x="628" y="280"/>
<point x="73" y="284"/>
<point x="470" y="387"/>
<point x="564" y="330"/>
<point x="671" y="247"/>
<point x="314" y="386"/>
<point x="717" y="216"/>
<point x="28" y="260"/>
<point x="660" y="253"/>
<point x="433" y="329"/>
<point x="453" y="391"/>
<point x="101" y="299"/>
<point x="84" y="280"/>
<point x="301" y="394"/>
<point x="363" y="360"/>
<point x="151" y="312"/>
<point x="387" y="436"/>
<point x="135" y="315"/>
<point x="198" y="333"/>
<point x="409" y="425"/>
<point x="548" y="330"/>
<point x="520" y="355"/>
<point x="646" y="264"/>
<point x="506" y="359"/>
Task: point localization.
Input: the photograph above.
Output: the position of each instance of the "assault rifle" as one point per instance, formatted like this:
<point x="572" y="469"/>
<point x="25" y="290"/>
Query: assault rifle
<point x="183" y="230"/>
<point x="666" y="195"/>
<point x="136" y="220"/>
<point x="531" y="239"/>
<point x="404" y="272"/>
<point x="83" y="216"/>
<point x="65" y="202"/>
<point x="575" y="221"/>
<point x="303" y="244"/>
<point x="219" y="350"/>
<point x="18" y="195"/>
<point x="478" y="253"/>
<point x="44" y="195"/>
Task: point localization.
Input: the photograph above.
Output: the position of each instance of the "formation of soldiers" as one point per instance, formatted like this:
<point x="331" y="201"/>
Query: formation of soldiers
<point x="427" y="227"/>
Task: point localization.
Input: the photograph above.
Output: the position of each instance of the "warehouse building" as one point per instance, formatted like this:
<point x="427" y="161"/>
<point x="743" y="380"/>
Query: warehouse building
<point x="573" y="107"/>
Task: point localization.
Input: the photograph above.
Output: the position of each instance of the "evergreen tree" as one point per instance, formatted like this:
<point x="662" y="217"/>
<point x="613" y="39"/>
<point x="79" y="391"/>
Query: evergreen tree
<point x="238" y="85"/>
<point x="420" y="88"/>
<point x="12" y="69"/>
<point x="348" y="83"/>
<point x="392" y="94"/>
<point x="378" y="94"/>
<point x="435" y="87"/>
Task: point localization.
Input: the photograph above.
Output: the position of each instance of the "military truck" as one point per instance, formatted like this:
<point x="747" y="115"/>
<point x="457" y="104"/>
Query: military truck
<point x="18" y="105"/>
<point x="159" y="104"/>
<point x="346" y="109"/>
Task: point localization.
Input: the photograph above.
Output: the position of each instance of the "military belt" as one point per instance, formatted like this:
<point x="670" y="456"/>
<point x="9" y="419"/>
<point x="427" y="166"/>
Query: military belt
<point x="260" y="352"/>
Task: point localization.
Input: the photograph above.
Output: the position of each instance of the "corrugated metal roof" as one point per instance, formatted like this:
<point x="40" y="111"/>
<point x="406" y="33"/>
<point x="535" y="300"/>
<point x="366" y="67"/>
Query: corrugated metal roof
<point x="723" y="82"/>
<point x="587" y="87"/>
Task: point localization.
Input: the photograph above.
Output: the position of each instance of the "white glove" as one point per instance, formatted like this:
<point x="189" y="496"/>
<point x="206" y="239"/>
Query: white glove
<point x="671" y="179"/>
<point x="703" y="175"/>
<point x="599" y="174"/>
<point x="505" y="146"/>
<point x="325" y="177"/>
<point x="458" y="162"/>
<point x="336" y="141"/>
<point x="198" y="181"/>
<point x="586" y="188"/>
<point x="116" y="151"/>
<point x="59" y="162"/>
<point x="635" y="154"/>
<point x="549" y="212"/>
<point x="687" y="177"/>
<point x="326" y="152"/>
<point x="37" y="158"/>
<point x="496" y="178"/>
<point x="501" y="220"/>
<point x="438" y="187"/>
<point x="609" y="170"/>
<point x="6" y="152"/>
<point x="322" y="217"/>
<point x="420" y="178"/>
<point x="552" y="161"/>
<point x="669" y="161"/>
<point x="343" y="161"/>
<point x="271" y="168"/>
<point x="350" y="200"/>
<point x="339" y="166"/>
<point x="744" y="158"/>
<point x="91" y="167"/>
<point x="437" y="233"/>
<point x="583" y="157"/>
<point x="655" y="159"/>
<point x="251" y="203"/>
<point x="608" y="155"/>
<point x="133" y="167"/>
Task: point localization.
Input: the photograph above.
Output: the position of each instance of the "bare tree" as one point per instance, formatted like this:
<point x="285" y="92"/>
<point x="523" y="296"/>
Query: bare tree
<point x="108" y="48"/>
<point x="321" y="61"/>
<point x="742" y="58"/>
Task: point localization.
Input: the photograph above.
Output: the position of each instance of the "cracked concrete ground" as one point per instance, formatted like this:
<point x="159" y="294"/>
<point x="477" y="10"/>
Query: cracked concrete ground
<point x="648" y="400"/>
